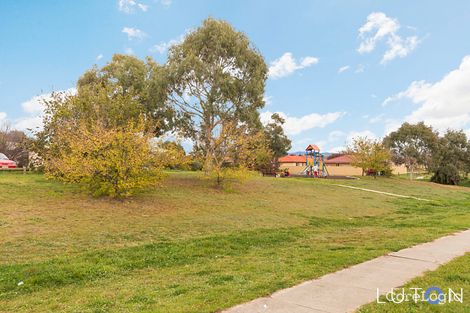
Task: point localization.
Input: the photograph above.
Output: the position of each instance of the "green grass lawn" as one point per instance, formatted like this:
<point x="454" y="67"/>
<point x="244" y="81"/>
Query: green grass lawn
<point x="454" y="275"/>
<point x="188" y="247"/>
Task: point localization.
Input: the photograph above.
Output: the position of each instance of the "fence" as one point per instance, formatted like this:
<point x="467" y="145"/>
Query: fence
<point x="18" y="169"/>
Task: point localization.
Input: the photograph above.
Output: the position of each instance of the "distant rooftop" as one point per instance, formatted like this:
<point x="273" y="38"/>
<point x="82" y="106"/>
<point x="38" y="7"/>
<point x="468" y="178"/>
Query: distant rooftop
<point x="342" y="159"/>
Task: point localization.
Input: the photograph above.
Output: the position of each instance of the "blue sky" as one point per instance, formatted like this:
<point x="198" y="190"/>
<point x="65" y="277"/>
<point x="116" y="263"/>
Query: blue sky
<point x="338" y="69"/>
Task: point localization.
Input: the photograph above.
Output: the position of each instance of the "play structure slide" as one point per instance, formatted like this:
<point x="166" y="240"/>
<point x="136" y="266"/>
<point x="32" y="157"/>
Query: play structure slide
<point x="314" y="160"/>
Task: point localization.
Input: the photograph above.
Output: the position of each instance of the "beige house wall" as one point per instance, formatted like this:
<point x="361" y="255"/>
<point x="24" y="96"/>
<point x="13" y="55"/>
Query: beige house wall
<point x="349" y="170"/>
<point x="399" y="169"/>
<point x="292" y="167"/>
<point x="341" y="170"/>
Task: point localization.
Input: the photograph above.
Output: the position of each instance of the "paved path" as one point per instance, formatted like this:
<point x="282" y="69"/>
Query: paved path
<point x="381" y="192"/>
<point x="349" y="289"/>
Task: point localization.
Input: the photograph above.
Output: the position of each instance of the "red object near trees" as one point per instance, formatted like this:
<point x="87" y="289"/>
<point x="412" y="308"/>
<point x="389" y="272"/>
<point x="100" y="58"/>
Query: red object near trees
<point x="6" y="163"/>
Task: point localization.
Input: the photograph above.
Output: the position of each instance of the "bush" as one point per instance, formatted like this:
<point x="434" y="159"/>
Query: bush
<point x="447" y="174"/>
<point x="196" y="165"/>
<point x="115" y="162"/>
<point x="227" y="177"/>
<point x="172" y="156"/>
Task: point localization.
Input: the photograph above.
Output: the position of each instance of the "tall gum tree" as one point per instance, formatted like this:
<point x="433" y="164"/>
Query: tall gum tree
<point x="215" y="77"/>
<point x="412" y="145"/>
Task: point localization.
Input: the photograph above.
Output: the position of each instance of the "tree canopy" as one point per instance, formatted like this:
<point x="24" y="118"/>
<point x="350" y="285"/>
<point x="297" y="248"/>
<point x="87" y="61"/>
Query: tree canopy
<point x="210" y="90"/>
<point x="412" y="145"/>
<point x="451" y="158"/>
<point x="215" y="77"/>
<point x="144" y="82"/>
<point x="279" y="143"/>
<point x="370" y="155"/>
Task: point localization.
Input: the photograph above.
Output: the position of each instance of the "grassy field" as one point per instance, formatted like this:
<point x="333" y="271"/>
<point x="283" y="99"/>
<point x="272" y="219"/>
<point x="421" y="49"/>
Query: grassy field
<point x="188" y="247"/>
<point x="454" y="275"/>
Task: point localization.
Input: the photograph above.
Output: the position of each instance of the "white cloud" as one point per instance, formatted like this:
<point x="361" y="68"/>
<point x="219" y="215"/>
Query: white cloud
<point x="36" y="104"/>
<point x="343" y="68"/>
<point x="336" y="135"/>
<point x="3" y="117"/>
<point x="286" y="65"/>
<point x="297" y="125"/>
<point x="383" y="27"/>
<point x="308" y="61"/>
<point x="337" y="149"/>
<point x="339" y="140"/>
<point x="129" y="51"/>
<point x="334" y="142"/>
<point x="355" y="134"/>
<point x="391" y="125"/>
<point x="143" y="7"/>
<point x="267" y="100"/>
<point x="129" y="6"/>
<point x="133" y="33"/>
<point x="163" y="47"/>
<point x="99" y="57"/>
<point x="376" y="119"/>
<point x="360" y="68"/>
<point x="166" y="2"/>
<point x="27" y="123"/>
<point x="399" y="47"/>
<point x="380" y="27"/>
<point x="443" y="104"/>
<point x="34" y="109"/>
<point x="160" y="48"/>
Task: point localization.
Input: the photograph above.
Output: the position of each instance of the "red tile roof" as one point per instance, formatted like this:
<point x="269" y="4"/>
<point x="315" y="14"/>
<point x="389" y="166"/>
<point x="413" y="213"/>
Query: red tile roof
<point x="342" y="159"/>
<point x="292" y="159"/>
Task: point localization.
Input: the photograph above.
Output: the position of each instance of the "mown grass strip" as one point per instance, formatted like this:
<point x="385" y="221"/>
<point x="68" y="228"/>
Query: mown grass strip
<point x="91" y="266"/>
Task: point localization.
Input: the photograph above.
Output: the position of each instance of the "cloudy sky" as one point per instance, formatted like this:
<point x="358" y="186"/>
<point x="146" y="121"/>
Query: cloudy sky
<point x="337" y="69"/>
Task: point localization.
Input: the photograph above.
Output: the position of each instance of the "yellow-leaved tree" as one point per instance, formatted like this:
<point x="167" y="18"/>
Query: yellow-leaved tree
<point x="99" y="138"/>
<point x="371" y="156"/>
<point x="115" y="162"/>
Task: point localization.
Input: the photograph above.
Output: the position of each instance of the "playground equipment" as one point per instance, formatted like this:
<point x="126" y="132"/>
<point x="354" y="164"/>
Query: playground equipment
<point x="315" y="162"/>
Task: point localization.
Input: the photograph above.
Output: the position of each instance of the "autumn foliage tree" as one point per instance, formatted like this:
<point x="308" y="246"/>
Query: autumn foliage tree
<point x="209" y="90"/>
<point x="172" y="155"/>
<point x="370" y="155"/>
<point x="115" y="162"/>
<point x="100" y="139"/>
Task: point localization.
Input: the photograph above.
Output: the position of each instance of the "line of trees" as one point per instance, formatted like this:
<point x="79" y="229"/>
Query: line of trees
<point x="418" y="147"/>
<point x="447" y="157"/>
<point x="209" y="90"/>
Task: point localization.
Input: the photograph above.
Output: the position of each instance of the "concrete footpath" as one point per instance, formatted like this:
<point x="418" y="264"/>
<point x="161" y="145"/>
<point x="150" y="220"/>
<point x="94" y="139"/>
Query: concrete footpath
<point x="349" y="289"/>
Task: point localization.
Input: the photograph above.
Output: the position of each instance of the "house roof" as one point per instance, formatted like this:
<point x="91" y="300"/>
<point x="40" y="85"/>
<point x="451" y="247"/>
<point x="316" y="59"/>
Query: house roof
<point x="312" y="147"/>
<point x="342" y="159"/>
<point x="292" y="159"/>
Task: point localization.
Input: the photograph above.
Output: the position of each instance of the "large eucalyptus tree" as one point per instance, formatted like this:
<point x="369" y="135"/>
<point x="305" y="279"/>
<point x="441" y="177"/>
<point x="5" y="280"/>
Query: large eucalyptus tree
<point x="216" y="80"/>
